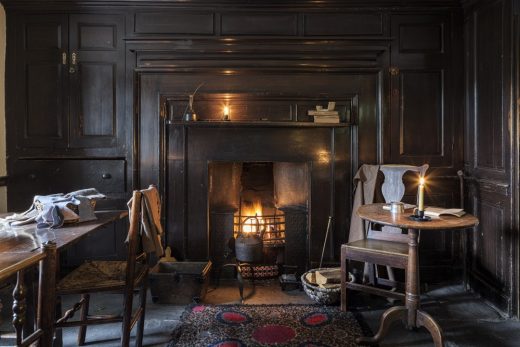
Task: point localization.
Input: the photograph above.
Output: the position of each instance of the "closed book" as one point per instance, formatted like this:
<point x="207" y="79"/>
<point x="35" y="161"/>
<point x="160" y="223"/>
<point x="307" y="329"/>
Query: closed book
<point x="322" y="113"/>
<point x="326" y="119"/>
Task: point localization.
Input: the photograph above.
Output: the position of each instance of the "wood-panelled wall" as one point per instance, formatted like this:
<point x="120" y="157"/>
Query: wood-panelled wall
<point x="64" y="134"/>
<point x="491" y="147"/>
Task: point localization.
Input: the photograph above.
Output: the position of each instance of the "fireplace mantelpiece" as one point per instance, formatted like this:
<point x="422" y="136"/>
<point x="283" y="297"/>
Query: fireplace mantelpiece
<point x="176" y="155"/>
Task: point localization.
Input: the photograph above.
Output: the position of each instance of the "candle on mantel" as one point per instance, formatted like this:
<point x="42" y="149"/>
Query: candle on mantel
<point x="420" y="202"/>
<point x="226" y="113"/>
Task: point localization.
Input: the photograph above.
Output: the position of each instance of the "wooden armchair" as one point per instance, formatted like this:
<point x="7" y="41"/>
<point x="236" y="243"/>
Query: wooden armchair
<point x="110" y="276"/>
<point x="386" y="246"/>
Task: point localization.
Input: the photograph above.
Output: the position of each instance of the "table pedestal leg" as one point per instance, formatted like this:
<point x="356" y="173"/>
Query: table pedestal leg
<point x="425" y="320"/>
<point x="411" y="313"/>
<point x="389" y="316"/>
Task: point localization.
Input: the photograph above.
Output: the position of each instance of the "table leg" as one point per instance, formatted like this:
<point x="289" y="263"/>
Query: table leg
<point x="425" y="320"/>
<point x="412" y="279"/>
<point x="389" y="316"/>
<point x="47" y="294"/>
<point x="411" y="313"/>
<point x="19" y="306"/>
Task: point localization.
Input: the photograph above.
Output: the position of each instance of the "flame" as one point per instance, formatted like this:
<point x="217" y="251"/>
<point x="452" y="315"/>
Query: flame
<point x="254" y="209"/>
<point x="226" y="110"/>
<point x="422" y="180"/>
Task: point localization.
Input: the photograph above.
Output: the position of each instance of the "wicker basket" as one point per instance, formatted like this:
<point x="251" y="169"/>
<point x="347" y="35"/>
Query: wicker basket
<point x="324" y="296"/>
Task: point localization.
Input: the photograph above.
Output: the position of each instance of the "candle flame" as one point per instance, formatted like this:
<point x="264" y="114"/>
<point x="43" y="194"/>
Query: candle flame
<point x="226" y="110"/>
<point x="422" y="181"/>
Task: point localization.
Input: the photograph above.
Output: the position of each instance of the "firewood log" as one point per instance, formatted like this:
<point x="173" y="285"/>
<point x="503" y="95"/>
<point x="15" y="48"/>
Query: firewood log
<point x="328" y="276"/>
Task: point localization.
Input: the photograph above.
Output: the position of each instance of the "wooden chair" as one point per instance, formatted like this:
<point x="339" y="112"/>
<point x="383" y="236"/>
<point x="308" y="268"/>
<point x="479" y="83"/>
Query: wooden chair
<point x="111" y="276"/>
<point x="383" y="245"/>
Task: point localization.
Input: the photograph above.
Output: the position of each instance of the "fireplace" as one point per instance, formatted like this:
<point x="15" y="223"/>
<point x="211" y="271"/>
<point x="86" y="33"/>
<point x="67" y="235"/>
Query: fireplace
<point x="269" y="124"/>
<point x="264" y="204"/>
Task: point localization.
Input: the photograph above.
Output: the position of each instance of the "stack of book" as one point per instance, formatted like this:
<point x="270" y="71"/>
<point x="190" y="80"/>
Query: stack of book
<point x="324" y="116"/>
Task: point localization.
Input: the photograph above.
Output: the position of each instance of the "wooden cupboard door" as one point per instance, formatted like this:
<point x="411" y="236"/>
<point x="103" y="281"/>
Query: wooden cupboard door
<point x="489" y="150"/>
<point x="41" y="103"/>
<point x="425" y="120"/>
<point x="97" y="79"/>
<point x="424" y="93"/>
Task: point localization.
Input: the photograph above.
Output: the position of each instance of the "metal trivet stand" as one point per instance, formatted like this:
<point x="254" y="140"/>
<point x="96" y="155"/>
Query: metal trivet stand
<point x="248" y="248"/>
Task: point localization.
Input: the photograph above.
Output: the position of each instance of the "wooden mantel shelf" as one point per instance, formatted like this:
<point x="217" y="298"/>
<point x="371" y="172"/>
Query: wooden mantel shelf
<point x="258" y="124"/>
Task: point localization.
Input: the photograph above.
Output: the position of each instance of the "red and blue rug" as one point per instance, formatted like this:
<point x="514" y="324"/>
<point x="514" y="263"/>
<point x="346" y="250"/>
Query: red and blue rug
<point x="267" y="325"/>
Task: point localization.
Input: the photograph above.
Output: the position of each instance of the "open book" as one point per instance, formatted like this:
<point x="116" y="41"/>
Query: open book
<point x="438" y="211"/>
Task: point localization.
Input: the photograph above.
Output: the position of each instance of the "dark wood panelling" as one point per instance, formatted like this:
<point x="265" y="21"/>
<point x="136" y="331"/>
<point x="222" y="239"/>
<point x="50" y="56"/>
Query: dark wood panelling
<point x="259" y="24"/>
<point x="40" y="42"/>
<point x="289" y="49"/>
<point x="416" y="87"/>
<point x="97" y="79"/>
<point x="421" y="38"/>
<point x="425" y="92"/>
<point x="41" y="177"/>
<point x="97" y="115"/>
<point x="488" y="150"/>
<point x="98" y="36"/>
<point x="426" y="121"/>
<point x="489" y="119"/>
<point x="343" y="24"/>
<point x="178" y="22"/>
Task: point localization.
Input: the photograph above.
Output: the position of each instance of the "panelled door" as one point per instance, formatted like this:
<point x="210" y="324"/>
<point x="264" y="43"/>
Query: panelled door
<point x="97" y="79"/>
<point x="42" y="43"/>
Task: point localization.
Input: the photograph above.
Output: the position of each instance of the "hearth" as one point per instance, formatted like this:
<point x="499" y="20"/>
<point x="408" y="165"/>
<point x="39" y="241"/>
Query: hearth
<point x="254" y="207"/>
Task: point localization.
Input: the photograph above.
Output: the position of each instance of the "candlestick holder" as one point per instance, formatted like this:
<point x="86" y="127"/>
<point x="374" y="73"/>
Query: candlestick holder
<point x="419" y="216"/>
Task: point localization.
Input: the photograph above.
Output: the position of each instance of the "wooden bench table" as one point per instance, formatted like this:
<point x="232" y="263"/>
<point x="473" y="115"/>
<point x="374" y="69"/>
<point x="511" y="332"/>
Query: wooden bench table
<point x="24" y="247"/>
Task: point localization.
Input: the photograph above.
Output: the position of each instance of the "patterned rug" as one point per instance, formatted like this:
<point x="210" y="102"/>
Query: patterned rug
<point x="267" y="325"/>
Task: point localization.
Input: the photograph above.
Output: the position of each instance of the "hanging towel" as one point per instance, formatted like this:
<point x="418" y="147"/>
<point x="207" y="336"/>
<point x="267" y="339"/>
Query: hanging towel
<point x="151" y="229"/>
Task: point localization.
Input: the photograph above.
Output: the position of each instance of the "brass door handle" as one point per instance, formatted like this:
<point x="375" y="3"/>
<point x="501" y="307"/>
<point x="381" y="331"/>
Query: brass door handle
<point x="73" y="62"/>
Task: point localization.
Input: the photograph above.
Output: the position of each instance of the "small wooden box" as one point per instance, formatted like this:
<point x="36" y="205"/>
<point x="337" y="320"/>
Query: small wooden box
<point x="179" y="282"/>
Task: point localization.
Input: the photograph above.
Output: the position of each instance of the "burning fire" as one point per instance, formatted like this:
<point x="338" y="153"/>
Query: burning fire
<point x="255" y="209"/>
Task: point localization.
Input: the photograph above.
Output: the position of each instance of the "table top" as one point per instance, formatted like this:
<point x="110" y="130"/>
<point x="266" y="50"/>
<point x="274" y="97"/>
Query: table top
<point x="21" y="247"/>
<point x="10" y="263"/>
<point x="376" y="214"/>
<point x="29" y="239"/>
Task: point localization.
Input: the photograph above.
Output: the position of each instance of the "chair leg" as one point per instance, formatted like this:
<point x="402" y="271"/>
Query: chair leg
<point x="82" y="332"/>
<point x="58" y="334"/>
<point x="140" y="324"/>
<point x="344" y="278"/>
<point x="127" y="321"/>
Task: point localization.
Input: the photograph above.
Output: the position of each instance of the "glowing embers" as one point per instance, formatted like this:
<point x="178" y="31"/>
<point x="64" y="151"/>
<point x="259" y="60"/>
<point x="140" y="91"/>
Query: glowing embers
<point x="251" y="219"/>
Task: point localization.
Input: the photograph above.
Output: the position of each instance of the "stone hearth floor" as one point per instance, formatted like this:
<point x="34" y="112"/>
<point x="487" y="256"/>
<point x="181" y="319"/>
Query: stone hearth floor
<point x="466" y="319"/>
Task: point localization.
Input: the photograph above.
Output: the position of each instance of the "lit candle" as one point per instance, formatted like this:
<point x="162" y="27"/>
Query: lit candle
<point x="226" y="113"/>
<point x="420" y="203"/>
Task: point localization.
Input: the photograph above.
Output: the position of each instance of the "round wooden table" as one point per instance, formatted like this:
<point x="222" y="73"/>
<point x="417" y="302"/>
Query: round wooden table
<point x="411" y="312"/>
